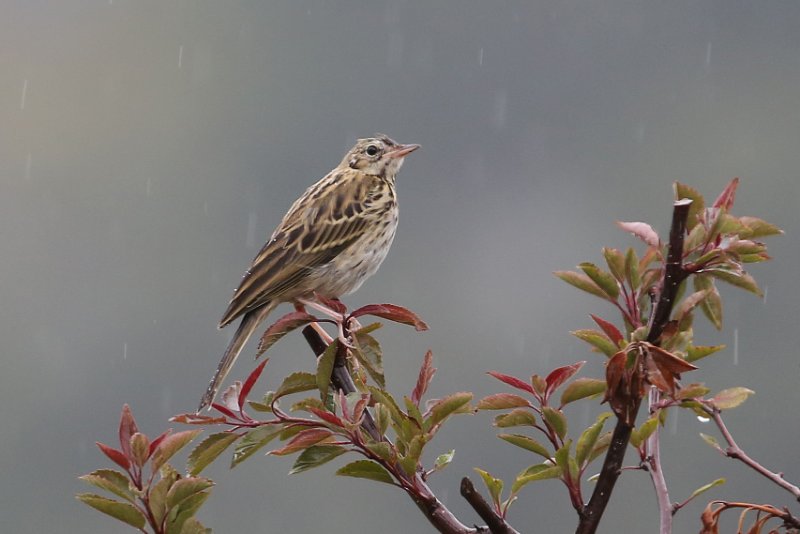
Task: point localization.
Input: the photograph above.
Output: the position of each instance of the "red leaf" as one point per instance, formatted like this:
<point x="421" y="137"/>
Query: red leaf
<point x="559" y="376"/>
<point x="334" y="304"/>
<point x="609" y="329"/>
<point x="426" y="373"/>
<point x="328" y="417"/>
<point x="728" y="195"/>
<point x="283" y="326"/>
<point x="250" y="382"/>
<point x="303" y="440"/>
<point x="512" y="381"/>
<point x="392" y="312"/>
<point x="667" y="361"/>
<point x="114" y="455"/>
<point x="224" y="410"/>
<point x="196" y="419"/>
<point x="643" y="231"/>
<point x="155" y="443"/>
<point x="127" y="428"/>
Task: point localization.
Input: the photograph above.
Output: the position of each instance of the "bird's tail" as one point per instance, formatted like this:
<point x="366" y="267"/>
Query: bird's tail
<point x="249" y="323"/>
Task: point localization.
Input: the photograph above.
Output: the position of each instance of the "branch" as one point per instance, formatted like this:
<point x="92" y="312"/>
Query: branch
<point x="674" y="275"/>
<point x="436" y="512"/>
<point x="736" y="452"/>
<point x="497" y="525"/>
<point x="665" y="508"/>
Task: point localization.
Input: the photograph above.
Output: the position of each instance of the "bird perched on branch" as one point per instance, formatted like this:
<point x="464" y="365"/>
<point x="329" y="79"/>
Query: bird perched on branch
<point x="331" y="240"/>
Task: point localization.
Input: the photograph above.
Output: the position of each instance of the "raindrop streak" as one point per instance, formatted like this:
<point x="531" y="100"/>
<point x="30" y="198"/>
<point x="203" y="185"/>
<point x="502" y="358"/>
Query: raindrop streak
<point x="29" y="162"/>
<point x="735" y="346"/>
<point x="24" y="94"/>
<point x="480" y="58"/>
<point x="147" y="187"/>
<point x="708" y="54"/>
<point x="180" y="56"/>
<point x="250" y="240"/>
<point x="766" y="288"/>
<point x="124" y="351"/>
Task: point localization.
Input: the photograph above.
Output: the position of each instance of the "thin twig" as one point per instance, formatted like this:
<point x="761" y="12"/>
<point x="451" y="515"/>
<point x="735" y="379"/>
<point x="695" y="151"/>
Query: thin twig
<point x="674" y="275"/>
<point x="422" y="495"/>
<point x="665" y="508"/>
<point x="736" y="452"/>
<point x="496" y="524"/>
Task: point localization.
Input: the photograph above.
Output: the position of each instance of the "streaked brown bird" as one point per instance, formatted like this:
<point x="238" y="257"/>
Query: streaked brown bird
<point x="332" y="239"/>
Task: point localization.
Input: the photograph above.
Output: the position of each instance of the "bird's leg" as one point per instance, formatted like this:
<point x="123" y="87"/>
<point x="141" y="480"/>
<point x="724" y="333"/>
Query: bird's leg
<point x="333" y="314"/>
<point x="298" y="306"/>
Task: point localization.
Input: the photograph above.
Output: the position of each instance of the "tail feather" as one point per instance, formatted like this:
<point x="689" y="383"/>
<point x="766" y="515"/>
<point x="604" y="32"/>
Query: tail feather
<point x="249" y="323"/>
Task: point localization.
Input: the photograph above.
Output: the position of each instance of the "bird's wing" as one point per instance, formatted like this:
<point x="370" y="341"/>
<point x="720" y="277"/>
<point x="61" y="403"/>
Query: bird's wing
<point x="319" y="225"/>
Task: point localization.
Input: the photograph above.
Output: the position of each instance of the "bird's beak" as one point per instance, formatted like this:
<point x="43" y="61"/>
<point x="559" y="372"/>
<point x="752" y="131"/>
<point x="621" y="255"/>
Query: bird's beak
<point x="401" y="151"/>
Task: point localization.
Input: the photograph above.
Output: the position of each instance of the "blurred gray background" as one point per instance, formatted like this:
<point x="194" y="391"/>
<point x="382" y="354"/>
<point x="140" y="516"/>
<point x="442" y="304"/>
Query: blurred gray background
<point x="148" y="148"/>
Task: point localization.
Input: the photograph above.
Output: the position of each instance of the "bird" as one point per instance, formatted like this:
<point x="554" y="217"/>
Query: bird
<point x="331" y="240"/>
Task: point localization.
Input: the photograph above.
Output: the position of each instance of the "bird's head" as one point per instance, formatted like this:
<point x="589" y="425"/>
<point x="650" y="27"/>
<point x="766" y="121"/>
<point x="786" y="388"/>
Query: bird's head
<point x="379" y="155"/>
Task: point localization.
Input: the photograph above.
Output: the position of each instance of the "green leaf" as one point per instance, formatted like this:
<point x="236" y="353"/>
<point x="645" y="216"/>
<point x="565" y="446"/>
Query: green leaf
<point x="581" y="388"/>
<point x="445" y="407"/>
<point x="758" y="228"/>
<point x="562" y="456"/>
<point x="555" y="419"/>
<point x="315" y="456"/>
<point x="325" y="368"/>
<point x="738" y="279"/>
<point x="295" y="383"/>
<point x="252" y="442"/>
<point x="582" y="282"/>
<point x="307" y="404"/>
<point x="208" y="450"/>
<point x="640" y="435"/>
<point x="494" y="485"/>
<point x="158" y="492"/>
<point x="632" y="269"/>
<point x="185" y="488"/>
<point x="171" y="444"/>
<point x="502" y="401"/>
<point x="366" y="469"/>
<point x="696" y="237"/>
<point x="698" y="203"/>
<point x="526" y="443"/>
<point x="731" y="398"/>
<point x="704" y="488"/>
<point x="604" y="280"/>
<point x="600" y="447"/>
<point x="598" y="340"/>
<point x="616" y="263"/>
<point x="370" y="355"/>
<point x="193" y="526"/>
<point x="383" y="450"/>
<point x="112" y="481"/>
<point x="517" y="417"/>
<point x="443" y="460"/>
<point x="588" y="439"/>
<point x="711" y="440"/>
<point x="127" y="513"/>
<point x="534" y="473"/>
<point x="712" y="304"/>
<point x="179" y="515"/>
<point x="694" y="353"/>
<point x="691" y="391"/>
<point x="140" y="448"/>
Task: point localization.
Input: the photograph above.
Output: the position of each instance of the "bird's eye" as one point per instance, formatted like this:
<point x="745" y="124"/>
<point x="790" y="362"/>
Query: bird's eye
<point x="372" y="150"/>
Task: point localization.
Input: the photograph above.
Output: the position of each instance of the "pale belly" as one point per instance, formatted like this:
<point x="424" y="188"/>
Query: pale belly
<point x="353" y="266"/>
